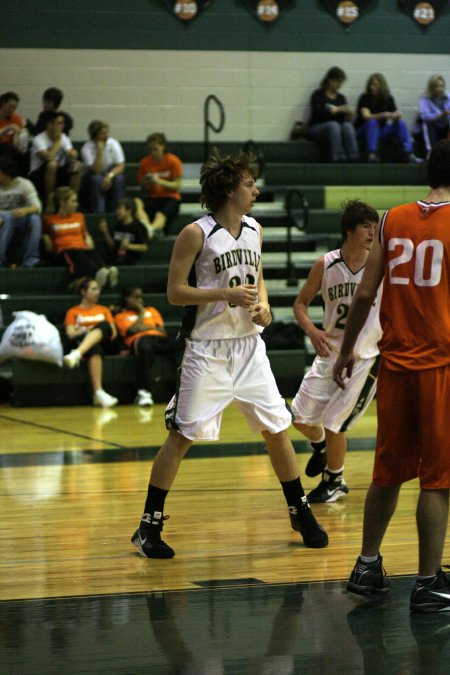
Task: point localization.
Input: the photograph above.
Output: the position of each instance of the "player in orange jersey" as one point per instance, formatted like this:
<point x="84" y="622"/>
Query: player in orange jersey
<point x="412" y="253"/>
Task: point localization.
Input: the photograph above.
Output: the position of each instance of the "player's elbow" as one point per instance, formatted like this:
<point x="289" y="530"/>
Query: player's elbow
<point x="364" y="298"/>
<point x="174" y="296"/>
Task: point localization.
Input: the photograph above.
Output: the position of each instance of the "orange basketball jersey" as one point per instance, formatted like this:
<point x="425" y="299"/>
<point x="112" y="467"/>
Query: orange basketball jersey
<point x="415" y="305"/>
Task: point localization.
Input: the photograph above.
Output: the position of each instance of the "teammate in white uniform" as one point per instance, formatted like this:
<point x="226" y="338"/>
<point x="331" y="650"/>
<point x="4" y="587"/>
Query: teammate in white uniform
<point x="216" y="273"/>
<point x="322" y="411"/>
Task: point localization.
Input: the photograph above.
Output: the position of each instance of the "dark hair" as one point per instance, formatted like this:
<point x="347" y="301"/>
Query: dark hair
<point x="54" y="95"/>
<point x="95" y="127"/>
<point x="220" y="175"/>
<point x="9" y="96"/>
<point x="83" y="284"/>
<point x="50" y="116"/>
<point x="129" y="204"/>
<point x="157" y="137"/>
<point x="355" y="213"/>
<point x="334" y="73"/>
<point x="9" y="166"/>
<point x="126" y="292"/>
<point x="438" y="172"/>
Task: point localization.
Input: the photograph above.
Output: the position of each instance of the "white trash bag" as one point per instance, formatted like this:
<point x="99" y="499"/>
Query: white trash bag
<point x="31" y="336"/>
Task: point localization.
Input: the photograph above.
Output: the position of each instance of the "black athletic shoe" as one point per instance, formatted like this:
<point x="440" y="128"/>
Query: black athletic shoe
<point x="318" y="460"/>
<point x="147" y="538"/>
<point x="328" y="491"/>
<point x="431" y="596"/>
<point x="303" y="521"/>
<point x="368" y="578"/>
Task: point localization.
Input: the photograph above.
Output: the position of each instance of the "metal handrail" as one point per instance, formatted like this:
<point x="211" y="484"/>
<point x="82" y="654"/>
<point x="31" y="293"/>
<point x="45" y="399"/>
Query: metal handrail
<point x="207" y="124"/>
<point x="297" y="217"/>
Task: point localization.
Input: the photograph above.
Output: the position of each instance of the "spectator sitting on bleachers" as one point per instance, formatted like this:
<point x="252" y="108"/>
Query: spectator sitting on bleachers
<point x="66" y="237"/>
<point x="91" y="328"/>
<point x="331" y="119"/>
<point x="20" y="211"/>
<point x="159" y="176"/>
<point x="142" y="330"/>
<point x="434" y="113"/>
<point x="51" y="100"/>
<point x="13" y="127"/>
<point x="103" y="169"/>
<point x="128" y="242"/>
<point x="378" y="118"/>
<point x="53" y="159"/>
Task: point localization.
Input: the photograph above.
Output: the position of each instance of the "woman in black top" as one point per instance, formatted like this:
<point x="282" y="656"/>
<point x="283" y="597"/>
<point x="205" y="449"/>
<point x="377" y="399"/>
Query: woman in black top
<point x="379" y="119"/>
<point x="330" y="122"/>
<point x="128" y="241"/>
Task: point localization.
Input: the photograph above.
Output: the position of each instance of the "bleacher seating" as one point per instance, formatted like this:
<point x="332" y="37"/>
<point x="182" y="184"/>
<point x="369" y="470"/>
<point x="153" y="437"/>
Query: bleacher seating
<point x="291" y="165"/>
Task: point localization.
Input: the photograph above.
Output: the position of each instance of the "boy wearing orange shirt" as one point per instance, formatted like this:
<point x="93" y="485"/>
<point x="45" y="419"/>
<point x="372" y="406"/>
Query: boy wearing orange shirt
<point x="160" y="175"/>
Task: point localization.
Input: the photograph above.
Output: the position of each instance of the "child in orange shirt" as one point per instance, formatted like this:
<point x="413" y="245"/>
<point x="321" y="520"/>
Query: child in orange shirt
<point x="160" y="175"/>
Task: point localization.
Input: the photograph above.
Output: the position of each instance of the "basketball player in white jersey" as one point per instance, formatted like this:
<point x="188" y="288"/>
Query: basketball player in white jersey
<point x="322" y="411"/>
<point x="216" y="273"/>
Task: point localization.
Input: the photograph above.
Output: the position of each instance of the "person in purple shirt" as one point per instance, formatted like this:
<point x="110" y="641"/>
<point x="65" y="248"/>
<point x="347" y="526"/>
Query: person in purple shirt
<point x="434" y="112"/>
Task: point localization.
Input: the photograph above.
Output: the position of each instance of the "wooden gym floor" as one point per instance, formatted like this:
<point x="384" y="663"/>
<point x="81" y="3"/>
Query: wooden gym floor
<point x="242" y="594"/>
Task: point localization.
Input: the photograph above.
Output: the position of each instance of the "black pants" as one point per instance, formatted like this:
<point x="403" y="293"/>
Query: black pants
<point x="81" y="262"/>
<point x="145" y="349"/>
<point x="105" y="346"/>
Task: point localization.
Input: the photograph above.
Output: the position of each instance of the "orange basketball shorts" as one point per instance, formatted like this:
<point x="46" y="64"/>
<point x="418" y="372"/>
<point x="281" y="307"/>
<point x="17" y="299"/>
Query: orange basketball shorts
<point x="413" y="438"/>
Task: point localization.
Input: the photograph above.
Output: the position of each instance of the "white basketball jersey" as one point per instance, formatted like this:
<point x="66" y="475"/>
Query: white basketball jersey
<point x="339" y="285"/>
<point x="224" y="262"/>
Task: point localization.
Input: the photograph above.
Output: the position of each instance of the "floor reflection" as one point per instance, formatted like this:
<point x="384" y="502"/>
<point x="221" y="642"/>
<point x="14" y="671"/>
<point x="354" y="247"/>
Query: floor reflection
<point x="256" y="629"/>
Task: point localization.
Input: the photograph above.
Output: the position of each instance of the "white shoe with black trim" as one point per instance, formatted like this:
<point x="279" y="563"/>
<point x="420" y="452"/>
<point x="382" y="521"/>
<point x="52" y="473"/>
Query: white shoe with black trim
<point x="143" y="398"/>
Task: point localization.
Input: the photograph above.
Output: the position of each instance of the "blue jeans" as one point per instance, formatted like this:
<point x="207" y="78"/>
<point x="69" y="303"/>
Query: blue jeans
<point x="340" y="139"/>
<point x="30" y="229"/>
<point x="99" y="200"/>
<point x="372" y="132"/>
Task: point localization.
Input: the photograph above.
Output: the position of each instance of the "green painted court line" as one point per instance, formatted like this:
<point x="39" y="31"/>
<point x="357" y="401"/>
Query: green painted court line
<point x="139" y="454"/>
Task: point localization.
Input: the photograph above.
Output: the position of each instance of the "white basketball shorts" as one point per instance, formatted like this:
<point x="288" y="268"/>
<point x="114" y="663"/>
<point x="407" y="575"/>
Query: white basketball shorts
<point x="320" y="401"/>
<point x="215" y="373"/>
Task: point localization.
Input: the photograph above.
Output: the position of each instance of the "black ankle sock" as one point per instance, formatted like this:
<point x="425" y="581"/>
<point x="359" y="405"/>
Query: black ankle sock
<point x="331" y="476"/>
<point x="155" y="501"/>
<point x="317" y="447"/>
<point x="293" y="491"/>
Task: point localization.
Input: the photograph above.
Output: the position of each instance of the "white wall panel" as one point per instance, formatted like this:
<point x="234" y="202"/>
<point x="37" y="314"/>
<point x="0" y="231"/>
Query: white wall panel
<point x="138" y="92"/>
